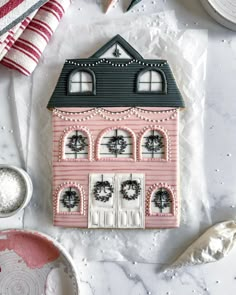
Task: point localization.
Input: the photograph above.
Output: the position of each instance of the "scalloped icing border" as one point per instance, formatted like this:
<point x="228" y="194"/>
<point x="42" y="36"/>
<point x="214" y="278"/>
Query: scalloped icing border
<point x="56" y="198"/>
<point x="167" y="141"/>
<point x="63" y="137"/>
<point x="151" y="190"/>
<point x="127" y="114"/>
<point x="99" y="138"/>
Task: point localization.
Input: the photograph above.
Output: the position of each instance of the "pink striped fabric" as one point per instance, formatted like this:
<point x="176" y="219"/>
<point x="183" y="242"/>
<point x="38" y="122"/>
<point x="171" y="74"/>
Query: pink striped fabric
<point x="22" y="49"/>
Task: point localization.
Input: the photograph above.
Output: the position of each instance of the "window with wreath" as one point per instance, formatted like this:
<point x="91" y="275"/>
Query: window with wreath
<point x="116" y="144"/>
<point x="151" y="81"/>
<point x="76" y="145"/>
<point x="161" y="201"/>
<point x="82" y="81"/>
<point x="69" y="200"/>
<point x="153" y="145"/>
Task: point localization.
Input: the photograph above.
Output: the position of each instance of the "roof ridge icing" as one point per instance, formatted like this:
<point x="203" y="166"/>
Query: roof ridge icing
<point x="123" y="43"/>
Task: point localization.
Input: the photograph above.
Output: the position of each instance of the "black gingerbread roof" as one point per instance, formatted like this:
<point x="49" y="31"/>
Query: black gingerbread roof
<point x="115" y="81"/>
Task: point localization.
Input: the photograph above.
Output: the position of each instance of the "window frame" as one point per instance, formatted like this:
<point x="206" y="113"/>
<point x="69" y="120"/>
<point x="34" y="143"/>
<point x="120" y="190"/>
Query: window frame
<point x="166" y="141"/>
<point x="100" y="137"/>
<point x="63" y="139"/>
<point x="151" y="191"/>
<point x="164" y="81"/>
<point x="81" y="69"/>
<point x="60" y="188"/>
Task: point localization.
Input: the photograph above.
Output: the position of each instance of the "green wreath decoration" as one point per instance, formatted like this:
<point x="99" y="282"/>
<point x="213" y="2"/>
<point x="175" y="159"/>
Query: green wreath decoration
<point x="132" y="185"/>
<point x="154" y="143"/>
<point x="70" y="199"/>
<point x="162" y="199"/>
<point x="103" y="187"/>
<point x="77" y="143"/>
<point x="117" y="145"/>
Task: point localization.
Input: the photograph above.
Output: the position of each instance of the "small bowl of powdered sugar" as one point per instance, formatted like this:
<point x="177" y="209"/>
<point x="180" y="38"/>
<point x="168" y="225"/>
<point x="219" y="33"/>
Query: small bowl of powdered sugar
<point x="15" y="190"/>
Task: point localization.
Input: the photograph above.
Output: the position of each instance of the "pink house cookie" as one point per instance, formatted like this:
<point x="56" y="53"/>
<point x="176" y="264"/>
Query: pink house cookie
<point x="115" y="141"/>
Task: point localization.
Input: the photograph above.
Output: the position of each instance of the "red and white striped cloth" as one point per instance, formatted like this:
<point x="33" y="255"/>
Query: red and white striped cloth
<point x="13" y="12"/>
<point x="10" y="37"/>
<point x="22" y="46"/>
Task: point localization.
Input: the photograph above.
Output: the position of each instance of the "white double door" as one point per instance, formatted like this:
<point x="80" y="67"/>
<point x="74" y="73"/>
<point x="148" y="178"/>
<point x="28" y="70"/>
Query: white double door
<point x="116" y="200"/>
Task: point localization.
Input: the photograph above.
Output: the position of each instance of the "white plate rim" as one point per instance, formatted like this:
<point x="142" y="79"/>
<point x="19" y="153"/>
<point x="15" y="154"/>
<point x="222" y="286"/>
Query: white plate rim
<point x="55" y="243"/>
<point x="220" y="18"/>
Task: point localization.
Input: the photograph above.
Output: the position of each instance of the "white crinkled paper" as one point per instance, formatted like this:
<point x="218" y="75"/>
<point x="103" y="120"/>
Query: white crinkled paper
<point x="154" y="36"/>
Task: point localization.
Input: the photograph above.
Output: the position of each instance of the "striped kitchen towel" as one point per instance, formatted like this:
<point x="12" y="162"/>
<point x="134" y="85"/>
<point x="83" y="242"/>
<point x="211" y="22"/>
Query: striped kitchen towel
<point x="10" y="37"/>
<point x="25" y="52"/>
<point x="12" y="12"/>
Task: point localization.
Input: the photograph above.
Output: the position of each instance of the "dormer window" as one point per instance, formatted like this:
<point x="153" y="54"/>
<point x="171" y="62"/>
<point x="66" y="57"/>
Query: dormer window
<point x="151" y="81"/>
<point x="82" y="81"/>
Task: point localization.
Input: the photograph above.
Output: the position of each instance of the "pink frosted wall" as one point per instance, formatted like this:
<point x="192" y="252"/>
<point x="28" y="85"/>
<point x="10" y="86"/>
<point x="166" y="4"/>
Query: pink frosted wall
<point x="78" y="171"/>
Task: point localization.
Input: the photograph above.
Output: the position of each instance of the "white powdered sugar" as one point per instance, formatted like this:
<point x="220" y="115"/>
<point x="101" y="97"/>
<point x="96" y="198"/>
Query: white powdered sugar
<point x="12" y="190"/>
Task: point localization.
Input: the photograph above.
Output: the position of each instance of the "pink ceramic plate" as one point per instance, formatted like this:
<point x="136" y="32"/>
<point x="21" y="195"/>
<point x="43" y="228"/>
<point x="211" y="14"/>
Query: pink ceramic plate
<point x="32" y="263"/>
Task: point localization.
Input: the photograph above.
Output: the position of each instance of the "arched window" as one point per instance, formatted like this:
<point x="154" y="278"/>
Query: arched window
<point x="151" y="81"/>
<point x="77" y="145"/>
<point x="116" y="143"/>
<point x="69" y="199"/>
<point x="81" y="82"/>
<point x="160" y="200"/>
<point x="153" y="144"/>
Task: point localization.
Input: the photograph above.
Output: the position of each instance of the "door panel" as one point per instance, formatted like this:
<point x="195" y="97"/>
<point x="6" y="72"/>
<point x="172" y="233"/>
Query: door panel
<point x="116" y="200"/>
<point x="102" y="201"/>
<point x="130" y="189"/>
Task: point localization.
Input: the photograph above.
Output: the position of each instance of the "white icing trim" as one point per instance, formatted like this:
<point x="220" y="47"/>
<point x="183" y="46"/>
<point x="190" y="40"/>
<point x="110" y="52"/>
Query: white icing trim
<point x="104" y="60"/>
<point x="138" y="112"/>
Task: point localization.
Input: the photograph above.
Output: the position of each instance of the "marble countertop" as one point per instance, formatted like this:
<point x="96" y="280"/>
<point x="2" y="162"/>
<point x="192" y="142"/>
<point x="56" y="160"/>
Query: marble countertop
<point x="131" y="277"/>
